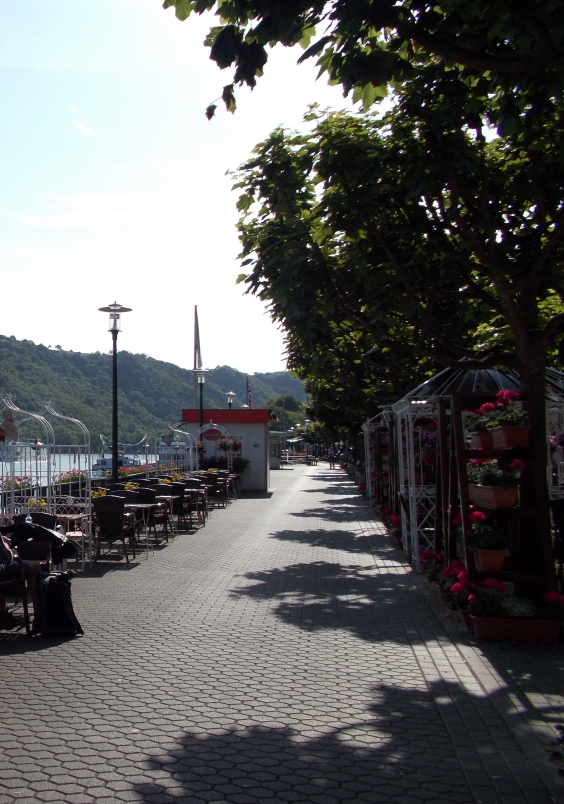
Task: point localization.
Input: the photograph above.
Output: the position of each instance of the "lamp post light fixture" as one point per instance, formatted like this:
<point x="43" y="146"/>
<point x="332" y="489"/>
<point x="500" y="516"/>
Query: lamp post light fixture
<point x="115" y="310"/>
<point x="230" y="396"/>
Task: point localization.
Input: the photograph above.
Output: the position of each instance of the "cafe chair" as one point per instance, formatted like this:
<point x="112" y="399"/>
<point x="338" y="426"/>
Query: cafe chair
<point x="157" y="515"/>
<point x="17" y="588"/>
<point x="38" y="518"/>
<point x="113" y="524"/>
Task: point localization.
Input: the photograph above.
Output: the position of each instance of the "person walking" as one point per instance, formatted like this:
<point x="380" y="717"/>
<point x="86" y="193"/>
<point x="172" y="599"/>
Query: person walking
<point x="331" y="457"/>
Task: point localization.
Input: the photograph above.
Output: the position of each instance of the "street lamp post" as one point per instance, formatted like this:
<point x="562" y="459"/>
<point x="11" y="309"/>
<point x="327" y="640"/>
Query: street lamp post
<point x="201" y="379"/>
<point x="115" y="310"/>
<point x="230" y="396"/>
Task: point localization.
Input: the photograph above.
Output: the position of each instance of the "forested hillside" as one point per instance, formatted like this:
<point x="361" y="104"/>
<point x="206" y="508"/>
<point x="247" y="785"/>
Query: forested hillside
<point x="151" y="393"/>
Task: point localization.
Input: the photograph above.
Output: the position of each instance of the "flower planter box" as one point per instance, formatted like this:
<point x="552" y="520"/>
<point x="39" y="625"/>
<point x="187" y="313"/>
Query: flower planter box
<point x="492" y="496"/>
<point x="466" y="619"/>
<point x="490" y="560"/>
<point x="481" y="440"/>
<point x="546" y="632"/>
<point x="506" y="437"/>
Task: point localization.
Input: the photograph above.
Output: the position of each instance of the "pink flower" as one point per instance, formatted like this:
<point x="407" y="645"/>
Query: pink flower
<point x="553" y="597"/>
<point x="487" y="407"/>
<point x="428" y="555"/>
<point x="457" y="520"/>
<point x="463" y="577"/>
<point x="492" y="583"/>
<point x="510" y="396"/>
<point x="471" y="598"/>
<point x="477" y="516"/>
<point x="445" y="573"/>
<point x="478" y="461"/>
<point x="518" y="464"/>
<point x="456" y="588"/>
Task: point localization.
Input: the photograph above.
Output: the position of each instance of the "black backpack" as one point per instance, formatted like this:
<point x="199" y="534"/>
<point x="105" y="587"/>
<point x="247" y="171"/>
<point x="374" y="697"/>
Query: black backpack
<point x="56" y="615"/>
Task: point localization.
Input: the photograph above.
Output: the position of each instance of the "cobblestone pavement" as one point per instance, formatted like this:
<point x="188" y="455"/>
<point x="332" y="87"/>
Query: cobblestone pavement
<point x="283" y="653"/>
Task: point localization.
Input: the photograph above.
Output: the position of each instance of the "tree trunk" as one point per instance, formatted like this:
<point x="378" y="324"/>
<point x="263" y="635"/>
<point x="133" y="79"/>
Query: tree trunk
<point x="533" y="383"/>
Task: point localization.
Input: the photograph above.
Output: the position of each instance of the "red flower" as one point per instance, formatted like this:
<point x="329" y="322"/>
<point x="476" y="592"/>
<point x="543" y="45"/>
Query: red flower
<point x="395" y="520"/>
<point x="553" y="597"/>
<point x="457" y="520"/>
<point x="518" y="464"/>
<point x="492" y="583"/>
<point x="477" y="516"/>
<point x="456" y="588"/>
<point x="510" y="396"/>
<point x="478" y="461"/>
<point x="463" y="577"/>
<point x="471" y="598"/>
<point x="487" y="407"/>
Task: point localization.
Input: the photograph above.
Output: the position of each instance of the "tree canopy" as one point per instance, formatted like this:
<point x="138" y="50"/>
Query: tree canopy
<point x="409" y="235"/>
<point x="511" y="52"/>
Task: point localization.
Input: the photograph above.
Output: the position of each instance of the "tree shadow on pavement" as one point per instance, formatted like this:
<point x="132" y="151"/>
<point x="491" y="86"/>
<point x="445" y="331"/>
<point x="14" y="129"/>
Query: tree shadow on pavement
<point x="334" y="511"/>
<point x="402" y="750"/>
<point x="324" y="594"/>
<point x="342" y="540"/>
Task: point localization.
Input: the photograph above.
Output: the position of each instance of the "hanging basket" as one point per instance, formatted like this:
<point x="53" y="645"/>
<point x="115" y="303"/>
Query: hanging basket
<point x="506" y="437"/>
<point x="481" y="440"/>
<point x="494" y="629"/>
<point x="492" y="496"/>
<point x="490" y="560"/>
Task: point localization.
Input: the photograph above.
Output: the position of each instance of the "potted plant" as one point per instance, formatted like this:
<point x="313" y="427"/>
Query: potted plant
<point x="509" y="426"/>
<point x="498" y="616"/>
<point x="491" y="485"/>
<point x="480" y="437"/>
<point x="488" y="543"/>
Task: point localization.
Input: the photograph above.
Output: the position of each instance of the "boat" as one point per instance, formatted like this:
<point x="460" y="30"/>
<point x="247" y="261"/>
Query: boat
<point x="124" y="462"/>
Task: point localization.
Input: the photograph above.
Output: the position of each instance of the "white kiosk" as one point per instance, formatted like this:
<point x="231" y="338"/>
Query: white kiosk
<point x="251" y="427"/>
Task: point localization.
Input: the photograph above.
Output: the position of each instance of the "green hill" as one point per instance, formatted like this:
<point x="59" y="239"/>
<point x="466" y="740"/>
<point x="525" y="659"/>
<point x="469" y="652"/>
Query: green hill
<point x="151" y="392"/>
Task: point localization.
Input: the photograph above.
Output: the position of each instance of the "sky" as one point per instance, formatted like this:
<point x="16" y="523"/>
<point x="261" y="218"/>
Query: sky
<point x="113" y="184"/>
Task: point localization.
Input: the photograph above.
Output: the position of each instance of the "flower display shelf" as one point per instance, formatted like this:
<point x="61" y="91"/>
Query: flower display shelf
<point x="481" y="440"/>
<point x="500" y="629"/>
<point x="492" y="496"/>
<point x="490" y="560"/>
<point x="508" y="437"/>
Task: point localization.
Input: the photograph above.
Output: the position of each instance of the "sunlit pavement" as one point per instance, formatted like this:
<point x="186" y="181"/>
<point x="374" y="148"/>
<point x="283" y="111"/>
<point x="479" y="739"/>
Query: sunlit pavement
<point x="283" y="653"/>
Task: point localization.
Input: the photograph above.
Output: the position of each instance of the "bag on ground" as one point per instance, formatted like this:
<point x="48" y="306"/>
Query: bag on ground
<point x="56" y="615"/>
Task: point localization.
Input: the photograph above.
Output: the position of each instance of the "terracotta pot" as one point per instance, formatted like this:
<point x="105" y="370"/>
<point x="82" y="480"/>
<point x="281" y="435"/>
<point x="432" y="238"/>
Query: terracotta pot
<point x="481" y="440"/>
<point x="506" y="437"/>
<point x="429" y="456"/>
<point x="492" y="496"/>
<point x="547" y="632"/>
<point x="490" y="560"/>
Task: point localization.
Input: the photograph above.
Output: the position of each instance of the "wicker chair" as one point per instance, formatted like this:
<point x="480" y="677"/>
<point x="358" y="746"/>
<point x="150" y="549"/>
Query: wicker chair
<point x="113" y="524"/>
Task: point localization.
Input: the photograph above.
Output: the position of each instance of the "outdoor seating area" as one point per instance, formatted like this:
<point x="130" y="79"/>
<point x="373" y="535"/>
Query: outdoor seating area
<point x="51" y="486"/>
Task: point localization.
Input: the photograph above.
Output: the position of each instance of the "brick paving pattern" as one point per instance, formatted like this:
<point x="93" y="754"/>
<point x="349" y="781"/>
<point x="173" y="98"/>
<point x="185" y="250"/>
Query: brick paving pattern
<point x="283" y="653"/>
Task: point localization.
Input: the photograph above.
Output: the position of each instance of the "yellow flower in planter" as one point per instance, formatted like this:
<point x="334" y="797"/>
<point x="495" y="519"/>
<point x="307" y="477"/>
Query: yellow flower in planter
<point x="35" y="503"/>
<point x="99" y="492"/>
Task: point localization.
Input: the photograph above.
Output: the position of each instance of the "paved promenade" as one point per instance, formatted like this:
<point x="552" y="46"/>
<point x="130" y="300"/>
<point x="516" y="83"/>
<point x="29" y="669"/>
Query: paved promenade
<point x="283" y="653"/>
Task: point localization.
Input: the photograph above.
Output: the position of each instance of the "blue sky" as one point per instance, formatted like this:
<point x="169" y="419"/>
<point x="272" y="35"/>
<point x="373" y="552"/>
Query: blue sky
<point x="113" y="184"/>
